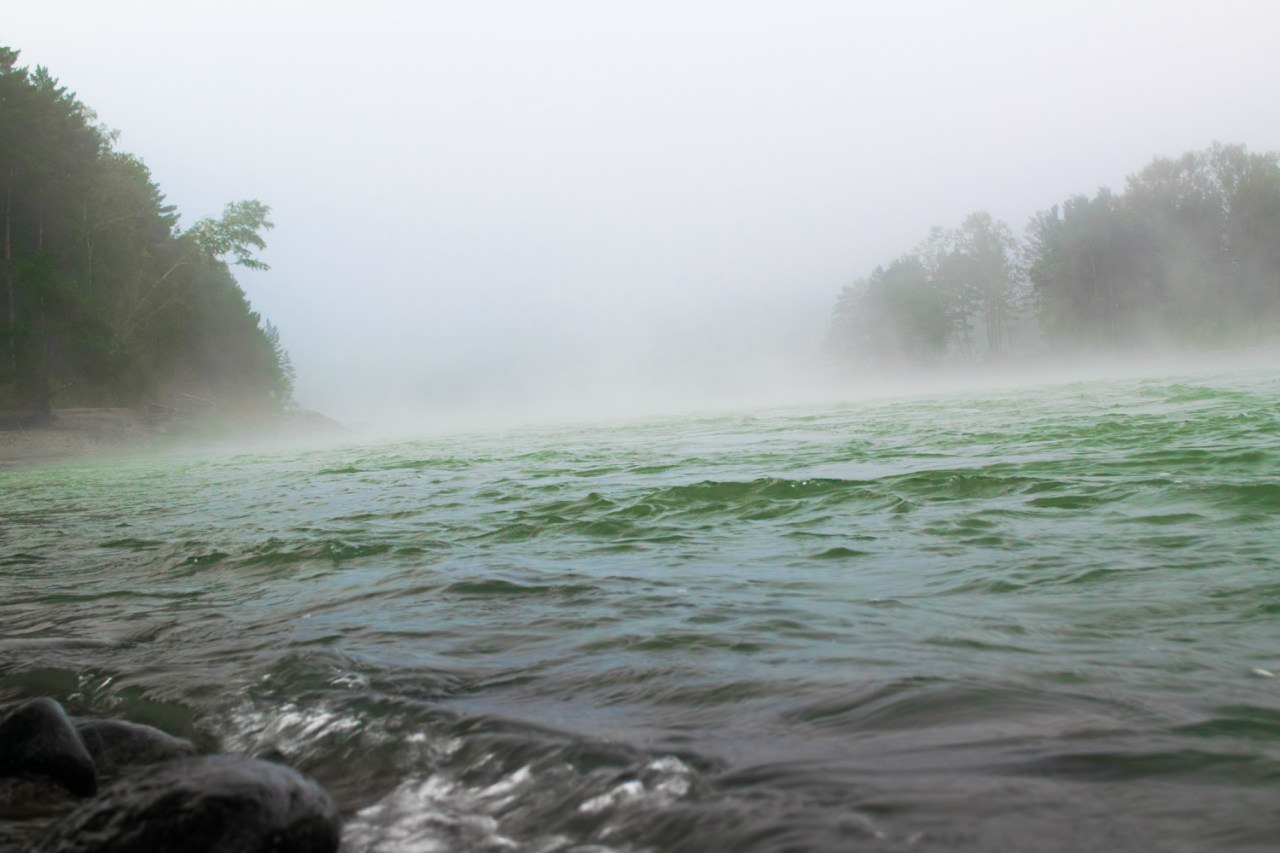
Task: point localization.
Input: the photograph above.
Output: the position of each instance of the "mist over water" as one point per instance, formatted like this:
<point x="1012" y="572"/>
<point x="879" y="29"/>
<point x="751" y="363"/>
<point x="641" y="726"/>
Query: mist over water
<point x="492" y="202"/>
<point x="612" y="555"/>
<point x="718" y="377"/>
<point x="665" y="356"/>
<point x="976" y="620"/>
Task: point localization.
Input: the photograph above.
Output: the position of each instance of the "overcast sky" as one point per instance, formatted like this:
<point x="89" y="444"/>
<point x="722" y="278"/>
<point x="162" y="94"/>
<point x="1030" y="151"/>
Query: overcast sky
<point x="487" y="205"/>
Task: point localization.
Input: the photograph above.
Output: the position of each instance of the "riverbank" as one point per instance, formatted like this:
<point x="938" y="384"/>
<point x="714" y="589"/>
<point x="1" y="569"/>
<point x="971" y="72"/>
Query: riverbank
<point x="86" y="433"/>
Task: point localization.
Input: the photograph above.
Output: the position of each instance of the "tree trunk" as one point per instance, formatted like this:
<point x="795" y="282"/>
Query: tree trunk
<point x="88" y="253"/>
<point x="42" y="393"/>
<point x="12" y="306"/>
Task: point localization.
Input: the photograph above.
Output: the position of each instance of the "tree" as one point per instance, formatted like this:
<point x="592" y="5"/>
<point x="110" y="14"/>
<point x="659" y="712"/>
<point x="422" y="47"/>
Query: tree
<point x="237" y="232"/>
<point x="984" y="265"/>
<point x="102" y="298"/>
<point x="898" y="314"/>
<point x="1189" y="254"/>
<point x="1082" y="260"/>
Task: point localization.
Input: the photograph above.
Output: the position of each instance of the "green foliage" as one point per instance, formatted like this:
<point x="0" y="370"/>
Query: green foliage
<point x="102" y="299"/>
<point x="928" y="302"/>
<point x="235" y="233"/>
<point x="1189" y="254"/>
<point x="907" y="312"/>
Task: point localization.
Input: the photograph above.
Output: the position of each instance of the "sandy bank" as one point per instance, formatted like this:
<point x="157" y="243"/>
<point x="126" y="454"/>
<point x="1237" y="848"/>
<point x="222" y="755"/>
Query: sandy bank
<point x="109" y="432"/>
<point x="80" y="433"/>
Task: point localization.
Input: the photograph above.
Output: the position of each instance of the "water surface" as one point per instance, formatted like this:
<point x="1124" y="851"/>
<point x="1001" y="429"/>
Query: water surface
<point x="1036" y="619"/>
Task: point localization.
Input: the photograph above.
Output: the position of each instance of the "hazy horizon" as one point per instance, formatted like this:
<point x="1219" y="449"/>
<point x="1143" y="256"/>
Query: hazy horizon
<point x="508" y="208"/>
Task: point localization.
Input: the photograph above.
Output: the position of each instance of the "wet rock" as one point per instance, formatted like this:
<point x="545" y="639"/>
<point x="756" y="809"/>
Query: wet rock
<point x="21" y="799"/>
<point x="219" y="804"/>
<point x="28" y="807"/>
<point x="37" y="741"/>
<point x="117" y="745"/>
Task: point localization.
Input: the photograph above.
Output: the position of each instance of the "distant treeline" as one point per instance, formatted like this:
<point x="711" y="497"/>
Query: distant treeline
<point x="1188" y="255"/>
<point x="104" y="300"/>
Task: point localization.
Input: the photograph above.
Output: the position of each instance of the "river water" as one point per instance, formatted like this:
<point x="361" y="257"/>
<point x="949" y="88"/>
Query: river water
<point x="1041" y="618"/>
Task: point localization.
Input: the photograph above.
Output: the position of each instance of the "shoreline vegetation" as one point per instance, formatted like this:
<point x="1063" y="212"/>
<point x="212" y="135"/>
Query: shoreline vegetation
<point x="1186" y="259"/>
<point x="121" y="331"/>
<point x="106" y="302"/>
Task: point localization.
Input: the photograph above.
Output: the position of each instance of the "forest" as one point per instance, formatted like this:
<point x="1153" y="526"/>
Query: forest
<point x="1187" y="256"/>
<point x="104" y="299"/>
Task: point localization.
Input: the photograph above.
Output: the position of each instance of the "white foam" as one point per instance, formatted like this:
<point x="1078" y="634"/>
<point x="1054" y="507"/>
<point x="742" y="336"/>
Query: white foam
<point x="431" y="811"/>
<point x="440" y="814"/>
<point x="350" y="680"/>
<point x="663" y="781"/>
<point x="436" y="814"/>
<point x="624" y="793"/>
<point x="293" y="731"/>
<point x="289" y="729"/>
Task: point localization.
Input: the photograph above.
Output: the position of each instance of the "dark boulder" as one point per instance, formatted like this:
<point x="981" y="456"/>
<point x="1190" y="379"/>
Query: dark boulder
<point x="117" y="745"/>
<point x="219" y="804"/>
<point x="37" y="741"/>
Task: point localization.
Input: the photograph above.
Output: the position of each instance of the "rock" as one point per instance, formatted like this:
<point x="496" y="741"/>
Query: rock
<point x="38" y="741"/>
<point x="21" y="799"/>
<point x="117" y="745"/>
<point x="218" y="804"/>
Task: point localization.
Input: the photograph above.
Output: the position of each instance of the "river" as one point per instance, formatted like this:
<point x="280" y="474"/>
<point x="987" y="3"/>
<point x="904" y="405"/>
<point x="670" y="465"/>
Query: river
<point x="1039" y="618"/>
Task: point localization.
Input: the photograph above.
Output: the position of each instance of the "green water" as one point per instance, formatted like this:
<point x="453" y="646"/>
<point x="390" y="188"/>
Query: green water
<point x="1034" y="619"/>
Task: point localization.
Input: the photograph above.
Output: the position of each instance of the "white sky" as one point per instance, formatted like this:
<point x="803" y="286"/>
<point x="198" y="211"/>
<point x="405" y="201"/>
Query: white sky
<point x="497" y="205"/>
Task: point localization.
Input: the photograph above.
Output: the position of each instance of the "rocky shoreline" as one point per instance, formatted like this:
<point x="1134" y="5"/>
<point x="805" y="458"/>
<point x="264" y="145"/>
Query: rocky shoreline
<point x="111" y="786"/>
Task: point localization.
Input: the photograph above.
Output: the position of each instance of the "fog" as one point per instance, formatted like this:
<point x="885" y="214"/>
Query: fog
<point x="512" y="209"/>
